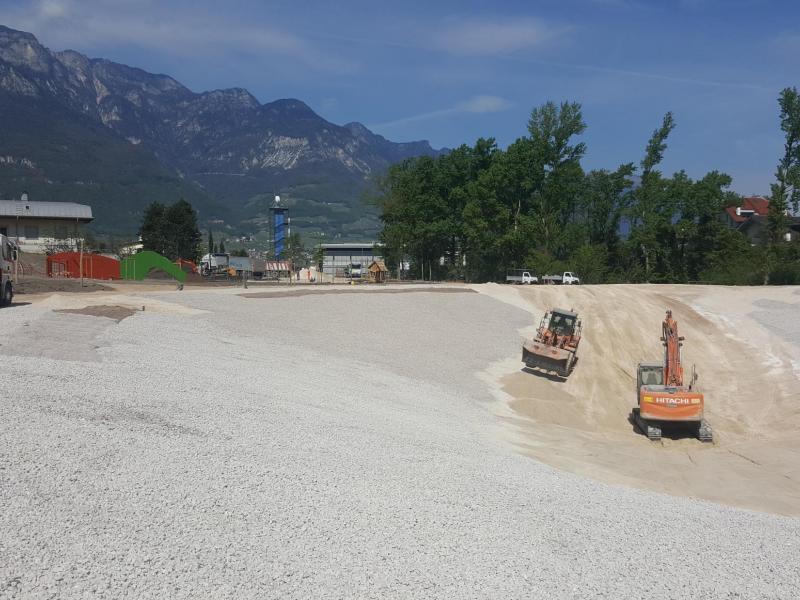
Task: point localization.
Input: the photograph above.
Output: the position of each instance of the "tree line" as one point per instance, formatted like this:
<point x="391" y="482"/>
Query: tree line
<point x="479" y="210"/>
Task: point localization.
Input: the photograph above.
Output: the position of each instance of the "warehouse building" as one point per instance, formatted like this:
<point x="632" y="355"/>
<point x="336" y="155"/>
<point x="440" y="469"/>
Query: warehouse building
<point x="336" y="258"/>
<point x="40" y="227"/>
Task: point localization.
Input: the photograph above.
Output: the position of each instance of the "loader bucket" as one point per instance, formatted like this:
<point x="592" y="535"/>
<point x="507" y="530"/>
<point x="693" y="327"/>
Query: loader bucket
<point x="547" y="358"/>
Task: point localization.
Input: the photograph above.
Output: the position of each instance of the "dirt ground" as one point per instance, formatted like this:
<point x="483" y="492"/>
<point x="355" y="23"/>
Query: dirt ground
<point x="114" y="312"/>
<point x="28" y="286"/>
<point x="748" y="372"/>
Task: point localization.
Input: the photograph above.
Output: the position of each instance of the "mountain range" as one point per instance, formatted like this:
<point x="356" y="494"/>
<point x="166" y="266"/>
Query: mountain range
<point x="117" y="137"/>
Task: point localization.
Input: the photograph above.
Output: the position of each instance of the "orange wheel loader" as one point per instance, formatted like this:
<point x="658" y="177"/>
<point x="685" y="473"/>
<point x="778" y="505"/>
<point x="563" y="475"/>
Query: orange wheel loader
<point x="555" y="344"/>
<point x="663" y="396"/>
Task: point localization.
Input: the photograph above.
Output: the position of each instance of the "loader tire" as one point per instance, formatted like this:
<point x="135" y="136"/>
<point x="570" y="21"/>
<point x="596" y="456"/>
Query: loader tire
<point x="8" y="295"/>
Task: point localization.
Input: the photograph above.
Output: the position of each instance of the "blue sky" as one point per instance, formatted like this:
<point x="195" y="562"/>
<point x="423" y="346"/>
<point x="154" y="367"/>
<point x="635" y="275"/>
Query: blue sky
<point x="451" y="71"/>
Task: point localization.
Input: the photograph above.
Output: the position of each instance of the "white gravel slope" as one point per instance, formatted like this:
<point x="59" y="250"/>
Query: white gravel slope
<point x="323" y="447"/>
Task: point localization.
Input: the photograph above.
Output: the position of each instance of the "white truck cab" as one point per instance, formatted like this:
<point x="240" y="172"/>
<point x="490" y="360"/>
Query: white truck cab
<point x="8" y="255"/>
<point x="522" y="276"/>
<point x="568" y="278"/>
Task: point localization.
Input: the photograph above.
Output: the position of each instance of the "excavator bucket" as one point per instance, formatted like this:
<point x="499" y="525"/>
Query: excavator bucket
<point x="547" y="358"/>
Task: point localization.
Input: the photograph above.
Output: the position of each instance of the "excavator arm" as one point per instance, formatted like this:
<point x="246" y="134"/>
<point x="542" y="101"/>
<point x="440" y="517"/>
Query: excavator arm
<point x="673" y="370"/>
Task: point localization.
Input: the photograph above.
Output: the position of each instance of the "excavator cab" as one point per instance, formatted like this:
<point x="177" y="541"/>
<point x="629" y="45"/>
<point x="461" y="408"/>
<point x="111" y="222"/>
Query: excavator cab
<point x="649" y="374"/>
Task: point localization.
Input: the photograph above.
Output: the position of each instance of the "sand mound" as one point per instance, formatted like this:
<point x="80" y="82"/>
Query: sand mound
<point x="747" y="358"/>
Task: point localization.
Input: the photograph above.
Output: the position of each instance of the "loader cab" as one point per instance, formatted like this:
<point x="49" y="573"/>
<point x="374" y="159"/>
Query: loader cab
<point x="563" y="322"/>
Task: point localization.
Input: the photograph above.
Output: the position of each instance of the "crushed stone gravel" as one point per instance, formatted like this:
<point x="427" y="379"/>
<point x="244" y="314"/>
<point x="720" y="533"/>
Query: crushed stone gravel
<point x="322" y="447"/>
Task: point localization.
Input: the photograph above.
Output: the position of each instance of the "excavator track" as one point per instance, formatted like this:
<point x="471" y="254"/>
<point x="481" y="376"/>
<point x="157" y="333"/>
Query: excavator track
<point x="653" y="432"/>
<point x="704" y="432"/>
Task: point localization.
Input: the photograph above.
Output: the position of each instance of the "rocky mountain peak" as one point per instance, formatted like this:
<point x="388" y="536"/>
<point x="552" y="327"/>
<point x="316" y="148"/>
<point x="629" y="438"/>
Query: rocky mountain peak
<point x="224" y="141"/>
<point x="22" y="49"/>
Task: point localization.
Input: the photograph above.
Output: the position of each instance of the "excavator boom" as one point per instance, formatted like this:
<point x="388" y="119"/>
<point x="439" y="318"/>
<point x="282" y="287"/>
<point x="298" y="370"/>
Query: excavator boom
<point x="673" y="371"/>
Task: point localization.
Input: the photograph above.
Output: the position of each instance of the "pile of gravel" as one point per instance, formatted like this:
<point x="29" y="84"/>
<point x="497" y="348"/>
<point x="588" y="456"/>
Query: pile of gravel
<point x="327" y="447"/>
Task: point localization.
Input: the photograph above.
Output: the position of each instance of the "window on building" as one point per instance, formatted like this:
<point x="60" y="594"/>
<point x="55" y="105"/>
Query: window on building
<point x="3" y="230"/>
<point x="31" y="232"/>
<point x="60" y="232"/>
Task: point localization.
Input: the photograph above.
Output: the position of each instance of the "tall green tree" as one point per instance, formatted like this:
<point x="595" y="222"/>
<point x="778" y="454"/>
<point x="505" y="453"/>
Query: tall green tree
<point x="557" y="173"/>
<point x="295" y="250"/>
<point x="786" y="189"/>
<point x="652" y="208"/>
<point x="171" y="230"/>
<point x="152" y="231"/>
<point x="182" y="231"/>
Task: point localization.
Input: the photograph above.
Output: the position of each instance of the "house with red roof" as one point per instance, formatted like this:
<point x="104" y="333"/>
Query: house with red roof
<point x="751" y="219"/>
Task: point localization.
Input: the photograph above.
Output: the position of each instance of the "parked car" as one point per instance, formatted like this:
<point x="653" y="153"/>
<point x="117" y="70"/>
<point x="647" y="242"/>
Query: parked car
<point x="353" y="271"/>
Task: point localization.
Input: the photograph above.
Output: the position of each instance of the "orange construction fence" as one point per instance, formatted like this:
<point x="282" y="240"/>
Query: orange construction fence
<point x="95" y="266"/>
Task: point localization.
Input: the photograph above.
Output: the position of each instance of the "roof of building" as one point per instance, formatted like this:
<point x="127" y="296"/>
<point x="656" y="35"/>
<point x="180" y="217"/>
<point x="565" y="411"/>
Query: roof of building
<point x="46" y="210"/>
<point x="354" y="245"/>
<point x="278" y="265"/>
<point x="752" y="205"/>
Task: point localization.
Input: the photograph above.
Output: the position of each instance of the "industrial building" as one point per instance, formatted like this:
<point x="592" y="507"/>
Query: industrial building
<point x="39" y="227"/>
<point x="336" y="258"/>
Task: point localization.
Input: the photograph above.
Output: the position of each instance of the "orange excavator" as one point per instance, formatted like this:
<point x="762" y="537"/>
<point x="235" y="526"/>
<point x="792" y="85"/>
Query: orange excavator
<point x="662" y="394"/>
<point x="555" y="344"/>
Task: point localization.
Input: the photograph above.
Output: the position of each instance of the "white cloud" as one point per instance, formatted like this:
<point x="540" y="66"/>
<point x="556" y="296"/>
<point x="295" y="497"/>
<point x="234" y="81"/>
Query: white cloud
<point x="475" y="104"/>
<point x="484" y="104"/>
<point x="51" y="9"/>
<point x="486" y="38"/>
<point x="88" y="24"/>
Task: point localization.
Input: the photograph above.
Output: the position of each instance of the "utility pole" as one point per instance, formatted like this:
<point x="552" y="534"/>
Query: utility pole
<point x="81" y="261"/>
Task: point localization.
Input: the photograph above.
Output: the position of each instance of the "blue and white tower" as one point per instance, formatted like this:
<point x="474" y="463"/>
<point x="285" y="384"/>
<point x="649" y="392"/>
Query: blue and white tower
<point x="280" y="227"/>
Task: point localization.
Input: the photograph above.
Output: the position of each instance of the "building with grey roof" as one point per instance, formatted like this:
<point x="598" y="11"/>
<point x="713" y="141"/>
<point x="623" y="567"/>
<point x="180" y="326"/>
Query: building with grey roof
<point x="41" y="226"/>
<point x="337" y="258"/>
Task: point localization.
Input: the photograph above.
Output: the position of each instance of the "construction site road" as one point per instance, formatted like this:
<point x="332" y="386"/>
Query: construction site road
<point x="745" y="343"/>
<point x="372" y="446"/>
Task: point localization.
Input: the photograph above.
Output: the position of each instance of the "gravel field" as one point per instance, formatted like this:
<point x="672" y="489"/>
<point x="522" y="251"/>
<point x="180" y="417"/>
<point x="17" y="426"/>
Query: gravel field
<point x="331" y="446"/>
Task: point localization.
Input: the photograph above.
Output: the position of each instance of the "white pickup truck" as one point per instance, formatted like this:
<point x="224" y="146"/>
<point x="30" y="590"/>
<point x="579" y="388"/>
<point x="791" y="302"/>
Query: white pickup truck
<point x="568" y="278"/>
<point x="8" y="254"/>
<point x="521" y="276"/>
